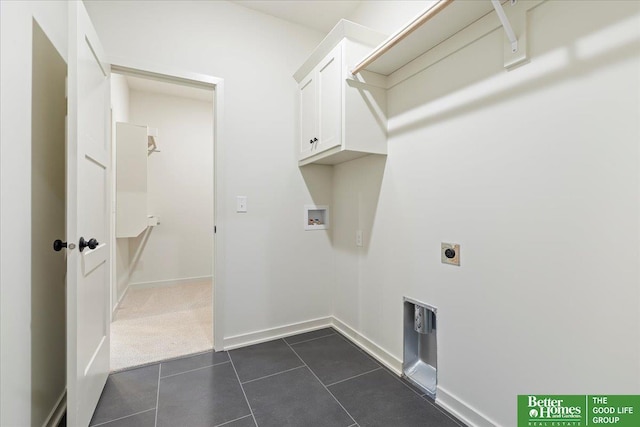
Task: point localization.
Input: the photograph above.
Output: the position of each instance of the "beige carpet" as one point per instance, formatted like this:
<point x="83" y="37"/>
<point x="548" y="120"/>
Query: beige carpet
<point x="160" y="323"/>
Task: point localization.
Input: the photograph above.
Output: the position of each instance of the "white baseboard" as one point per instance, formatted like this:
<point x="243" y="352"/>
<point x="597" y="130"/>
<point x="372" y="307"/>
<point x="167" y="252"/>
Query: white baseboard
<point x="276" y="333"/>
<point x="371" y="348"/>
<point x="170" y="282"/>
<point x="460" y="409"/>
<point x="57" y="411"/>
<point x="362" y="342"/>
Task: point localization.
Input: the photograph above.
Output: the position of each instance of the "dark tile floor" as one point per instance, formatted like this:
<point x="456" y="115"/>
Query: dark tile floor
<point x="314" y="379"/>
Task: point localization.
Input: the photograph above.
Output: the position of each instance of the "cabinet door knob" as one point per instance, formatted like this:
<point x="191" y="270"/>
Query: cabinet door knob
<point x="311" y="141"/>
<point x="315" y="139"/>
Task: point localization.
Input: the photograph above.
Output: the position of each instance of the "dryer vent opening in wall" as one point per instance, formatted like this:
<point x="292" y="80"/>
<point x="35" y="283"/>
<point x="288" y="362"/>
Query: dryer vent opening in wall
<point x="420" y="346"/>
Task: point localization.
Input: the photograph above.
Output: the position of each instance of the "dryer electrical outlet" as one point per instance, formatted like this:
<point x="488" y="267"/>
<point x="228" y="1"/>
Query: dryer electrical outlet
<point x="450" y="253"/>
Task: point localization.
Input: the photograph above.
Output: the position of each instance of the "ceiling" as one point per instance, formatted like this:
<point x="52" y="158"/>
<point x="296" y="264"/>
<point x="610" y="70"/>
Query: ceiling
<point x="320" y="15"/>
<point x="172" y="89"/>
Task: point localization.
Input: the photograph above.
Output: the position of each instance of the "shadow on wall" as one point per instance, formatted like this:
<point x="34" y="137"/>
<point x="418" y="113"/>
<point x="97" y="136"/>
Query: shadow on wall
<point x="356" y="191"/>
<point x="466" y="91"/>
<point x="136" y="247"/>
<point x="315" y="178"/>
<point x="356" y="194"/>
<point x="375" y="100"/>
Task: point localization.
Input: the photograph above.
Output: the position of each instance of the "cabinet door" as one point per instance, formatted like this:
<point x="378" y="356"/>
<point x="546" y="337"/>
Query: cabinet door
<point x="330" y="100"/>
<point x="308" y="115"/>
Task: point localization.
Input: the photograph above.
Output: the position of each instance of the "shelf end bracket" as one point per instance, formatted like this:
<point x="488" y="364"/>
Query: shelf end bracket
<point x="506" y="24"/>
<point x="515" y="50"/>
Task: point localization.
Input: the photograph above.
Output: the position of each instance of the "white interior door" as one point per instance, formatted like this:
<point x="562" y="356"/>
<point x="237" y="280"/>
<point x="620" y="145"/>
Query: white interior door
<point x="87" y="218"/>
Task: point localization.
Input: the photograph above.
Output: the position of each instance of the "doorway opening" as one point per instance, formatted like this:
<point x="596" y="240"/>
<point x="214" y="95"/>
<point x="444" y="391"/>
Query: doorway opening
<point x="163" y="221"/>
<point x="48" y="214"/>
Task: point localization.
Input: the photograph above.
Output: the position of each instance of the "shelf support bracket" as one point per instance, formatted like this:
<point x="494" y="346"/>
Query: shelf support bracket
<point x="506" y="25"/>
<point x="515" y="50"/>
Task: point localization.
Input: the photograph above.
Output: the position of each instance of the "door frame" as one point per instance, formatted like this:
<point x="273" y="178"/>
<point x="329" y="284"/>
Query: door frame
<point x="216" y="84"/>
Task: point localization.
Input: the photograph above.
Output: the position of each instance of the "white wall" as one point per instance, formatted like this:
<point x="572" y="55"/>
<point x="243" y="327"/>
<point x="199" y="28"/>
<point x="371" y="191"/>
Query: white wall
<point x="273" y="269"/>
<point x="15" y="187"/>
<point x="535" y="173"/>
<point x="121" y="268"/>
<point x="180" y="189"/>
<point x="387" y="16"/>
<point x="120" y="98"/>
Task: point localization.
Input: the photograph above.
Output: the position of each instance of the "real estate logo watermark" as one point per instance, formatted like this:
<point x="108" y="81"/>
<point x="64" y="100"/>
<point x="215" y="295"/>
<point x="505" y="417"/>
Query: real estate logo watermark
<point x="578" y="410"/>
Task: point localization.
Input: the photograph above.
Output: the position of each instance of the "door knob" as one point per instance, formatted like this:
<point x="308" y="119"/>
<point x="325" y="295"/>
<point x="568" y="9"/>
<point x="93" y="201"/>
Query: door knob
<point x="58" y="245"/>
<point x="91" y="244"/>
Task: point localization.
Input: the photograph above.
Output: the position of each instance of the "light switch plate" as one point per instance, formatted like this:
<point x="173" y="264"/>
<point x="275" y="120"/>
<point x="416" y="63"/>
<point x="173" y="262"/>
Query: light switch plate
<point x="446" y="260"/>
<point x="241" y="204"/>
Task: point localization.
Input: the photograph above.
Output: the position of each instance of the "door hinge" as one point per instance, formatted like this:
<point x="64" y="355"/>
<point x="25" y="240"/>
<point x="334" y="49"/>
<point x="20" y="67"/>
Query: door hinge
<point x="215" y="229"/>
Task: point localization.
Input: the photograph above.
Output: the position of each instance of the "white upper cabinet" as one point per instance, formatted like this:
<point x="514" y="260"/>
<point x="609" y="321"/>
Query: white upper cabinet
<point x="340" y="118"/>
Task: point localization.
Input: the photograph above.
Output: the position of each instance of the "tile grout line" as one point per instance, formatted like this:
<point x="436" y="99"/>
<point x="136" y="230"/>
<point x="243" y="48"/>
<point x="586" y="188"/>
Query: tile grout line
<point x="399" y="379"/>
<point x="355" y="376"/>
<point x="273" y="375"/>
<point x="312" y="339"/>
<point x="325" y="387"/>
<point x="242" y="388"/>
<point x="428" y="400"/>
<point x="121" y="418"/>
<point x="155" y="423"/>
<point x="344" y="337"/>
<point x="394" y="376"/>
<point x="231" y="421"/>
<point x="196" y="369"/>
<point x="424" y="397"/>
